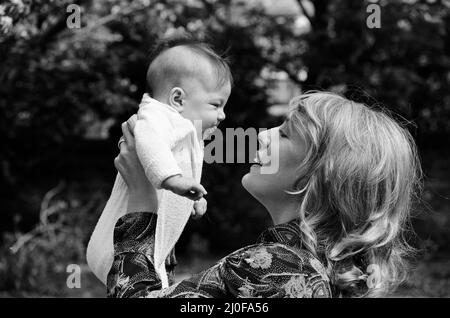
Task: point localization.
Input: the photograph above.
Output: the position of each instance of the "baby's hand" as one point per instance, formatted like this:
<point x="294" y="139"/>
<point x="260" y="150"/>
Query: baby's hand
<point x="199" y="208"/>
<point x="186" y="187"/>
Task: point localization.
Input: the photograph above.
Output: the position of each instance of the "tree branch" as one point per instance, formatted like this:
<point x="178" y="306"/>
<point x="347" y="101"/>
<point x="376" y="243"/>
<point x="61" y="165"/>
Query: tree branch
<point x="283" y="67"/>
<point x="113" y="16"/>
<point x="305" y="13"/>
<point x="292" y="77"/>
<point x="209" y="7"/>
<point x="52" y="31"/>
<point x="45" y="210"/>
<point x="43" y="226"/>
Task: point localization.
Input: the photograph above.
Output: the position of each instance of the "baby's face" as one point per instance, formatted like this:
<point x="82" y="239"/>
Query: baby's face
<point x="206" y="102"/>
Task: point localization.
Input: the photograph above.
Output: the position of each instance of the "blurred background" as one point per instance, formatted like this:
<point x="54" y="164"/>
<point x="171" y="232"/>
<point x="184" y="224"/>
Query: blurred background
<point x="64" y="92"/>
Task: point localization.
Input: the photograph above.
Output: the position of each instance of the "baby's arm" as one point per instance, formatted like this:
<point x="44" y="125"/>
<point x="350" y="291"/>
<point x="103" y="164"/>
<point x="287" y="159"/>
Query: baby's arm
<point x="154" y="141"/>
<point x="183" y="186"/>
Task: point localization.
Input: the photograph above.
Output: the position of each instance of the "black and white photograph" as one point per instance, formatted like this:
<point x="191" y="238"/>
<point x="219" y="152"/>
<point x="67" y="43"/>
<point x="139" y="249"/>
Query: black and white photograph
<point x="225" y="149"/>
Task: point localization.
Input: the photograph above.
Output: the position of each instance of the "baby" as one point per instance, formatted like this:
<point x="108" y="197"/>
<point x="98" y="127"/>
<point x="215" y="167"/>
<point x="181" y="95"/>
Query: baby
<point x="189" y="85"/>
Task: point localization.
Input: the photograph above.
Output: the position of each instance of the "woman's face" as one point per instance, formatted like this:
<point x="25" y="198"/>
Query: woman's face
<point x="268" y="188"/>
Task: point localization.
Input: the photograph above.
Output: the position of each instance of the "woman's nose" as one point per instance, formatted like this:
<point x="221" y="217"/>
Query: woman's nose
<point x="263" y="138"/>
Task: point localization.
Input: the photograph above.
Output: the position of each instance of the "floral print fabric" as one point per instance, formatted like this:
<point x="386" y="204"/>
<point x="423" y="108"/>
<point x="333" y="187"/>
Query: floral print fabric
<point x="276" y="266"/>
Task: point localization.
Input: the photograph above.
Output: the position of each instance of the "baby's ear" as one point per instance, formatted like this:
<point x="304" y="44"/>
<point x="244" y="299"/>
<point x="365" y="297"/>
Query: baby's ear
<point x="176" y="98"/>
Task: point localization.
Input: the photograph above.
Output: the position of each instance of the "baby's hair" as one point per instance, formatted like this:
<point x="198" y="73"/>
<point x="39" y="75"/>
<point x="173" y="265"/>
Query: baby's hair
<point x="358" y="181"/>
<point x="168" y="68"/>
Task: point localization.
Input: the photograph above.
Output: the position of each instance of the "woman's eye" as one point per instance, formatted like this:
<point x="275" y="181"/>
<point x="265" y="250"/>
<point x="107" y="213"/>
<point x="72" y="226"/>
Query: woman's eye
<point x="282" y="134"/>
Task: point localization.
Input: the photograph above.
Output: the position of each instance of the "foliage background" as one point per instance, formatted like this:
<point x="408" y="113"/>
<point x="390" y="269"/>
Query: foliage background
<point x="64" y="93"/>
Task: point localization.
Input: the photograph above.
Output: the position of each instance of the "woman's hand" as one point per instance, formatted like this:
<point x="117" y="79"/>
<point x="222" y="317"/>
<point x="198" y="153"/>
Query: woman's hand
<point x="142" y="194"/>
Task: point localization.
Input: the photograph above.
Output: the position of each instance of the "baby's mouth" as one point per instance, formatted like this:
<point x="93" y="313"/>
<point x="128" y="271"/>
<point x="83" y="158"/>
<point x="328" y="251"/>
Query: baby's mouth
<point x="209" y="131"/>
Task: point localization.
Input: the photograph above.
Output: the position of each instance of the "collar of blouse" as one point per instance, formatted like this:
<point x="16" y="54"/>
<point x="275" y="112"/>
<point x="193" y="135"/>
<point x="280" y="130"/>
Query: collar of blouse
<point x="287" y="233"/>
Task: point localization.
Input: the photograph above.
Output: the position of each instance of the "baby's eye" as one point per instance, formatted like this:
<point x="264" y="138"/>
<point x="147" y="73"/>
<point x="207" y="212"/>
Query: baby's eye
<point x="216" y="105"/>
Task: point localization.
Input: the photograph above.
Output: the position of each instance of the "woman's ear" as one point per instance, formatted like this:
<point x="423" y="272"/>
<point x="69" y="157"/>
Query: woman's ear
<point x="176" y="98"/>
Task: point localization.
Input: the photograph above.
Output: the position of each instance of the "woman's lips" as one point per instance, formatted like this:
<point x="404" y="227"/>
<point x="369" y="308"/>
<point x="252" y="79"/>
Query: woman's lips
<point x="261" y="159"/>
<point x="257" y="160"/>
<point x="257" y="164"/>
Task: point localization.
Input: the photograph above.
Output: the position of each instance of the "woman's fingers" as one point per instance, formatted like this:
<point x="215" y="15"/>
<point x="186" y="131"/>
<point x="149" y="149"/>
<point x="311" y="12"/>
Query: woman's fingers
<point x="121" y="140"/>
<point x="118" y="163"/>
<point x="131" y="122"/>
<point x="129" y="140"/>
<point x="127" y="131"/>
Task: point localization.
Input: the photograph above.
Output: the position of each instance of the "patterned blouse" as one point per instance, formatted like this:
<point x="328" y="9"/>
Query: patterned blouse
<point x="276" y="266"/>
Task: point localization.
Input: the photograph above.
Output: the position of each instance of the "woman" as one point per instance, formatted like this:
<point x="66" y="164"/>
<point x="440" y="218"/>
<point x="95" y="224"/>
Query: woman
<point x="340" y="203"/>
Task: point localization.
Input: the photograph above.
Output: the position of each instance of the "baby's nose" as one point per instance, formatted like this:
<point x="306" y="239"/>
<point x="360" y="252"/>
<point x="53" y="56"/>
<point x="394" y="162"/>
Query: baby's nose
<point x="221" y="115"/>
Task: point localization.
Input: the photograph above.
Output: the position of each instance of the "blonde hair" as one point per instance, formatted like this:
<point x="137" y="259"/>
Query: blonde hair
<point x="358" y="181"/>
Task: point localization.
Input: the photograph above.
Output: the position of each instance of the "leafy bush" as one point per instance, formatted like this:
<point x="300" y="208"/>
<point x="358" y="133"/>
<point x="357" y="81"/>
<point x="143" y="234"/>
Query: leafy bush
<point x="36" y="262"/>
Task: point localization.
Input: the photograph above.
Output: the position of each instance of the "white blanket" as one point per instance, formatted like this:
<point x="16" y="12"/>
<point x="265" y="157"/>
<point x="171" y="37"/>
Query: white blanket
<point x="167" y="144"/>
